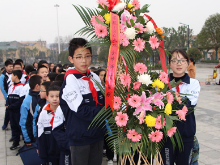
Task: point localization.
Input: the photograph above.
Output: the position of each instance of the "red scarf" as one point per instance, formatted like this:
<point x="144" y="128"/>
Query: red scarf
<point x="178" y="87"/>
<point x="16" y="86"/>
<point x="47" y="108"/>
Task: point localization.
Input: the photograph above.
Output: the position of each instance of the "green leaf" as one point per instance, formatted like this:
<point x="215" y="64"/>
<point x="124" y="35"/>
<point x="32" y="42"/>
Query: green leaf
<point x="132" y="22"/>
<point x="129" y="26"/>
<point x="144" y="9"/>
<point x="138" y="130"/>
<point x="100" y="22"/>
<point x="169" y="122"/>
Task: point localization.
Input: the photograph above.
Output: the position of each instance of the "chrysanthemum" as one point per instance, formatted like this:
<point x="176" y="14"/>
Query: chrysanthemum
<point x="150" y="27"/>
<point x="139" y="44"/>
<point x="124" y="40"/>
<point x="136" y="85"/>
<point x="168" y="109"/>
<point x="121" y="119"/>
<point x="94" y="22"/>
<point x="130" y="33"/>
<point x="159" y="31"/>
<point x="125" y="79"/>
<point x="158" y="124"/>
<point x="156" y="136"/>
<point x="145" y="79"/>
<point x="119" y="7"/>
<point x="136" y="3"/>
<point x="164" y="77"/>
<point x="107" y="18"/>
<point x="101" y="31"/>
<point x="134" y="136"/>
<point x="150" y="121"/>
<point x="140" y="67"/>
<point x="102" y="3"/>
<point x="134" y="101"/>
<point x="171" y="131"/>
<point x="170" y="97"/>
<point x="117" y="103"/>
<point x="159" y="84"/>
<point x="153" y="42"/>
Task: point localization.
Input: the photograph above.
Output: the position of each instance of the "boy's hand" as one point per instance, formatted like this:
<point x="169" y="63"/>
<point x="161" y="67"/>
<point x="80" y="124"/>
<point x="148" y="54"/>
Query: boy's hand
<point x="7" y="106"/>
<point x="37" y="151"/>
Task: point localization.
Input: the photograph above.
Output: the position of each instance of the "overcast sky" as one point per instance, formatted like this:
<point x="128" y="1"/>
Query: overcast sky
<point x="31" y="20"/>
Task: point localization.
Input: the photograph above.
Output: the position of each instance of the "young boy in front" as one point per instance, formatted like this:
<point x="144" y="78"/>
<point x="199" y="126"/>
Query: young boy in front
<point x="13" y="104"/>
<point x="80" y="101"/>
<point x="27" y="109"/>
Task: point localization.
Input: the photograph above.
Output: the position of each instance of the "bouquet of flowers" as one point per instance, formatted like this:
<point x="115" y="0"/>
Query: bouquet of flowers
<point x="141" y="109"/>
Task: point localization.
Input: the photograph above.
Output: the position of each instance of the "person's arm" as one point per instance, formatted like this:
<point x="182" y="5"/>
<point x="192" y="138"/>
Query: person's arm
<point x="2" y="86"/>
<point x="217" y="66"/>
<point x="34" y="120"/>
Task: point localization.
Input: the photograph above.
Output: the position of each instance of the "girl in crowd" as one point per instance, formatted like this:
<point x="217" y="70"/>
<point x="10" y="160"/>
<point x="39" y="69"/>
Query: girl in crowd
<point x="192" y="68"/>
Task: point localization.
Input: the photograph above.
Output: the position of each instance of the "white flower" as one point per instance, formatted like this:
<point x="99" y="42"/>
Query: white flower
<point x="150" y="27"/>
<point x="119" y="7"/>
<point x="130" y="33"/>
<point x="145" y="79"/>
<point x="145" y="18"/>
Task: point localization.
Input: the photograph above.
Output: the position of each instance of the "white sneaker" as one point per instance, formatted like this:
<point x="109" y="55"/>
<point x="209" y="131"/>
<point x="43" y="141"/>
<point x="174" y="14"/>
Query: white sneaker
<point x="110" y="162"/>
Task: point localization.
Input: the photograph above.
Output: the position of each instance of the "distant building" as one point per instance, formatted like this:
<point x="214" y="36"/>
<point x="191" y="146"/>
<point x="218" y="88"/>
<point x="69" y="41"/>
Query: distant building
<point x="10" y="45"/>
<point x="42" y="43"/>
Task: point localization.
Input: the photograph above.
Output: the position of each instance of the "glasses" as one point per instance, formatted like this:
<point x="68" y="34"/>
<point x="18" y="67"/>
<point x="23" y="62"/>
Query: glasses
<point x="183" y="61"/>
<point x="42" y="90"/>
<point x="80" y="58"/>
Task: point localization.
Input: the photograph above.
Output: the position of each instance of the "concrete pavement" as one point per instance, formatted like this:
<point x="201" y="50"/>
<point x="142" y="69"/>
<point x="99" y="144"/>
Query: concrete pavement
<point x="207" y="118"/>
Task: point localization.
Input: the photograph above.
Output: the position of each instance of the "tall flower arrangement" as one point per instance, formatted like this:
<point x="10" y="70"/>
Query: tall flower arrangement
<point x="144" y="108"/>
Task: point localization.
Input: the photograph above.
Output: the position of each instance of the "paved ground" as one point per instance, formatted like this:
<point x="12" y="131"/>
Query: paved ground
<point x="207" y="118"/>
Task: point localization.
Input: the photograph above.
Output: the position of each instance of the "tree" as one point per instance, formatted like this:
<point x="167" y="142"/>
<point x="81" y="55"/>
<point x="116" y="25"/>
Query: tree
<point x="103" y="54"/>
<point x="170" y="38"/>
<point x="194" y="53"/>
<point x="209" y="37"/>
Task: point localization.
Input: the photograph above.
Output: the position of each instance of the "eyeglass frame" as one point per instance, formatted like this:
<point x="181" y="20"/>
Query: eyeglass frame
<point x="42" y="90"/>
<point x="86" y="58"/>
<point x="179" y="61"/>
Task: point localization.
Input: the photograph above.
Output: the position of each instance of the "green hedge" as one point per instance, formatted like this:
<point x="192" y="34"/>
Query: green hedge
<point x="210" y="61"/>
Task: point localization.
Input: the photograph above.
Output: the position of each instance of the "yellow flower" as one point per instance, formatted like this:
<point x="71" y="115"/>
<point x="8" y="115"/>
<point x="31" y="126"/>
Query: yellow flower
<point x="159" y="84"/>
<point x="107" y="18"/>
<point x="150" y="121"/>
<point x="168" y="109"/>
<point x="130" y="5"/>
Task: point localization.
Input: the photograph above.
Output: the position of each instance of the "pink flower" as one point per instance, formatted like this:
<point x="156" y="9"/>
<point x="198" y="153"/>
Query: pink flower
<point x="121" y="119"/>
<point x="164" y="77"/>
<point x="178" y="98"/>
<point x="134" y="136"/>
<point x="185" y="109"/>
<point x="94" y="22"/>
<point x="125" y="17"/>
<point x="144" y="104"/>
<point x="102" y="3"/>
<point x="136" y="3"/>
<point x="124" y="39"/>
<point x="134" y="101"/>
<point x="101" y="31"/>
<point x="171" y="131"/>
<point x="125" y="79"/>
<point x="139" y="44"/>
<point x="136" y="85"/>
<point x="156" y="136"/>
<point x="182" y="113"/>
<point x="153" y="42"/>
<point x="139" y="26"/>
<point x="157" y="99"/>
<point x="141" y="117"/>
<point x="158" y="124"/>
<point x="170" y="97"/>
<point x="117" y="103"/>
<point x="122" y="28"/>
<point x="140" y="67"/>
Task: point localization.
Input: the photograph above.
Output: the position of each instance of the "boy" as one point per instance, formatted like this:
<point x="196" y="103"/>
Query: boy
<point x="18" y="66"/>
<point x="5" y="79"/>
<point x="47" y="146"/>
<point x="80" y="101"/>
<point x="27" y="109"/>
<point x="43" y="72"/>
<point x="43" y="62"/>
<point x="13" y="104"/>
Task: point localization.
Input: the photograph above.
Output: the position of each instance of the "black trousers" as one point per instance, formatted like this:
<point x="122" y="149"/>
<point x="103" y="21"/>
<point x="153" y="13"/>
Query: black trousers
<point x="87" y="155"/>
<point x="65" y="158"/>
<point x="15" y="127"/>
<point x="7" y="117"/>
<point x="109" y="152"/>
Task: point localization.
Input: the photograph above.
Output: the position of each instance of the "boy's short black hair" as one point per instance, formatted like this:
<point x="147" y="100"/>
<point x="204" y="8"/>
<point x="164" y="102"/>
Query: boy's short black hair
<point x="52" y="76"/>
<point x="17" y="63"/>
<point x="179" y="51"/>
<point x="61" y="70"/>
<point x="8" y="62"/>
<point x="76" y="43"/>
<point x="19" y="60"/>
<point x="60" y="77"/>
<point x="29" y="68"/>
<point x="98" y="71"/>
<point x="46" y="84"/>
<point x="57" y="83"/>
<point x="33" y="72"/>
<point x="34" y="80"/>
<point x="52" y="88"/>
<point x="17" y="73"/>
<point x="40" y="66"/>
<point x="42" y="62"/>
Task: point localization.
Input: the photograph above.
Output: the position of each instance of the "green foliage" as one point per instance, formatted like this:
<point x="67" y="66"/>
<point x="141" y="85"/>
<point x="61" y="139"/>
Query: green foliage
<point x="210" y="61"/>
<point x="63" y="57"/>
<point x="194" y="53"/>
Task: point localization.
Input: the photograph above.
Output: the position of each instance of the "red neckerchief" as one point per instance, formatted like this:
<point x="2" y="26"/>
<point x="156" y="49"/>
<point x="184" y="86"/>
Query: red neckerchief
<point x="16" y="86"/>
<point x="47" y="108"/>
<point x="91" y="86"/>
<point x="178" y="87"/>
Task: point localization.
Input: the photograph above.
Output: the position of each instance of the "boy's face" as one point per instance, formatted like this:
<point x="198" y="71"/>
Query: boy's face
<point x="43" y="92"/>
<point x="9" y="68"/>
<point x="43" y="73"/>
<point x="81" y="59"/>
<point x="53" y="98"/>
<point x="17" y="67"/>
<point x="51" y="66"/>
<point x="13" y="78"/>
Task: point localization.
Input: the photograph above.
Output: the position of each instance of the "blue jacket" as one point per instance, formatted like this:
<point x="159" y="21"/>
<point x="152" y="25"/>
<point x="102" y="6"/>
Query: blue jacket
<point x="79" y="109"/>
<point x="5" y="80"/>
<point x="27" y="110"/>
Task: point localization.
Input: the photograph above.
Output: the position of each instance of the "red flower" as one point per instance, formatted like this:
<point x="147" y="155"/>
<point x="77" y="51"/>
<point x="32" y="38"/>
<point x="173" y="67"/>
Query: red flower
<point x="112" y="3"/>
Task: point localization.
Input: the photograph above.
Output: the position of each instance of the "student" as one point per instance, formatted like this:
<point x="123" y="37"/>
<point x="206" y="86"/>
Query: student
<point x="43" y="72"/>
<point x="80" y="101"/>
<point x="47" y="146"/>
<point x="51" y="66"/>
<point x="27" y="109"/>
<point x="28" y="70"/>
<point x="60" y="77"/>
<point x="56" y="68"/>
<point x="18" y="66"/>
<point x="21" y="62"/>
<point x="43" y="62"/>
<point x="101" y="74"/>
<point x="51" y="76"/>
<point x="179" y="61"/>
<point x="5" y="80"/>
<point x="35" y="65"/>
<point x="13" y="104"/>
<point x="192" y="68"/>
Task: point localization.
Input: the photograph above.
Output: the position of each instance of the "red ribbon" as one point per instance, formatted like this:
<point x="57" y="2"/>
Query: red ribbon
<point x="178" y="87"/>
<point x="112" y="60"/>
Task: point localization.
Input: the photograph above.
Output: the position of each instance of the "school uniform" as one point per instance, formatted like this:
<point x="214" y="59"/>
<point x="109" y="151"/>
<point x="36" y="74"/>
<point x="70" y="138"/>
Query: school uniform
<point x="47" y="146"/>
<point x="26" y="89"/>
<point x="14" y="101"/>
<point x="24" y="78"/>
<point x="187" y="129"/>
<point x="80" y="101"/>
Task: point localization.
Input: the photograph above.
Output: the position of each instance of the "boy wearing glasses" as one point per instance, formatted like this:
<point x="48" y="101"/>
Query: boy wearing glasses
<point x="80" y="101"/>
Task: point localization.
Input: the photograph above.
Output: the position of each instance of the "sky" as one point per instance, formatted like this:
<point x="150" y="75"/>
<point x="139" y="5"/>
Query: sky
<point x="32" y="20"/>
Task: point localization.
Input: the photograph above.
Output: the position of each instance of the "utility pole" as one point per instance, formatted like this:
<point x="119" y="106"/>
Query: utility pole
<point x="58" y="27"/>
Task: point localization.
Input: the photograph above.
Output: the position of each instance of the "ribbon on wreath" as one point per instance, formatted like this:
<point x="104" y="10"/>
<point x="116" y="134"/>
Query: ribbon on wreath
<point x="112" y="60"/>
